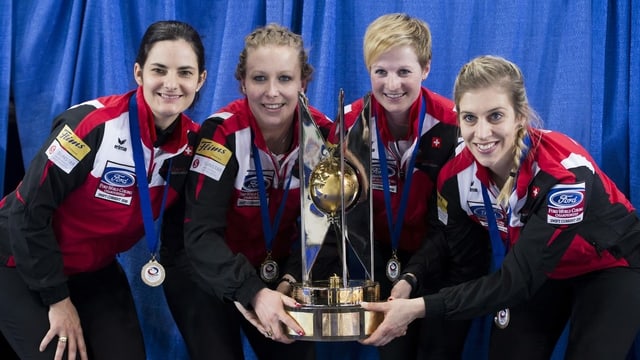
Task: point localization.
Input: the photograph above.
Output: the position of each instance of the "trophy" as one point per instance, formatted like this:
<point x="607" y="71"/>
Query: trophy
<point x="336" y="208"/>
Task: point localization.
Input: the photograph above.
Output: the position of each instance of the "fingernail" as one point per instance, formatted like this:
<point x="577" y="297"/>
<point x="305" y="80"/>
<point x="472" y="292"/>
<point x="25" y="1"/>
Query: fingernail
<point x="298" y="304"/>
<point x="301" y="333"/>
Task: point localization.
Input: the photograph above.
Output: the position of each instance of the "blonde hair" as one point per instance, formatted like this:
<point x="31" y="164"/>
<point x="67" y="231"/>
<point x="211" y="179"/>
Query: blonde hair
<point x="493" y="71"/>
<point x="391" y="30"/>
<point x="276" y="35"/>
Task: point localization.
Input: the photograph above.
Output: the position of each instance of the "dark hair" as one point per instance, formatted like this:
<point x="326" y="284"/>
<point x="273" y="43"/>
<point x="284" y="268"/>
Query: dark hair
<point x="171" y="30"/>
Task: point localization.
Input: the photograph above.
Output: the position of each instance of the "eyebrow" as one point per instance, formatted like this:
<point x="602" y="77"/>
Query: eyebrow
<point x="498" y="108"/>
<point x="180" y="67"/>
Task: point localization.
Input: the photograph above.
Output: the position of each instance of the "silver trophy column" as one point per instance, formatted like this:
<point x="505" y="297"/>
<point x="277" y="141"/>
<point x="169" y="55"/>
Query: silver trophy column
<point x="336" y="201"/>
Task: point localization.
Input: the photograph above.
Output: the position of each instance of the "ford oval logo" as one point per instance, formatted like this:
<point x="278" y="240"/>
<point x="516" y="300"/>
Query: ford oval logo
<point x="119" y="178"/>
<point x="391" y="170"/>
<point x="251" y="183"/>
<point x="566" y="198"/>
<point x="481" y="212"/>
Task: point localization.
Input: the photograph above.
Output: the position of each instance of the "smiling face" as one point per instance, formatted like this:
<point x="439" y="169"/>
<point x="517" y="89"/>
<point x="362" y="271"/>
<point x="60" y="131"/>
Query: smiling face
<point x="271" y="84"/>
<point x="396" y="80"/>
<point x="489" y="126"/>
<point x="169" y="79"/>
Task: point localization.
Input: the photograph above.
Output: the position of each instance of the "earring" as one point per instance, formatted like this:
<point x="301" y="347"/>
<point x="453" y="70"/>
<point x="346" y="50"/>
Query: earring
<point x="244" y="90"/>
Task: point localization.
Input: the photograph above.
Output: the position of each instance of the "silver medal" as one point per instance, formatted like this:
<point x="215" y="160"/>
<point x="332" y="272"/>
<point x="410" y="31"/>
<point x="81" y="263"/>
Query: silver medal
<point x="269" y="271"/>
<point x="152" y="273"/>
<point x="502" y="318"/>
<point x="393" y="269"/>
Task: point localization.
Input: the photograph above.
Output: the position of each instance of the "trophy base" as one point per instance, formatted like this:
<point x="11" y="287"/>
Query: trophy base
<point x="334" y="323"/>
<point x="331" y="313"/>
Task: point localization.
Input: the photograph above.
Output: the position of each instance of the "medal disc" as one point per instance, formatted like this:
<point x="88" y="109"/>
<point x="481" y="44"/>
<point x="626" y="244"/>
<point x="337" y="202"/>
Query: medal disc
<point x="502" y="318"/>
<point x="393" y="269"/>
<point x="269" y="271"/>
<point x="152" y="273"/>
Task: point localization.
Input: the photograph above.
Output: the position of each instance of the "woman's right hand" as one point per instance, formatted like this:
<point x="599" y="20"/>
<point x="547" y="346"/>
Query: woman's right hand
<point x="64" y="325"/>
<point x="398" y="314"/>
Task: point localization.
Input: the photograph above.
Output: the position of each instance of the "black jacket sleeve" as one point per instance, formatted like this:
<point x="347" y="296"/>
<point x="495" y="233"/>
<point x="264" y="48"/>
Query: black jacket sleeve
<point x="217" y="269"/>
<point x="450" y="254"/>
<point x="525" y="268"/>
<point x="44" y="187"/>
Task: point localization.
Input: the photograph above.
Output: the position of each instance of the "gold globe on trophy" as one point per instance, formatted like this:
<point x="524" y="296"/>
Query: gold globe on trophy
<point x="335" y="182"/>
<point x="324" y="186"/>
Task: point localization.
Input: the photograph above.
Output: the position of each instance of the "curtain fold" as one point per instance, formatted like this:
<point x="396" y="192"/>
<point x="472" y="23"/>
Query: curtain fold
<point x="632" y="116"/>
<point x="581" y="61"/>
<point x="6" y="42"/>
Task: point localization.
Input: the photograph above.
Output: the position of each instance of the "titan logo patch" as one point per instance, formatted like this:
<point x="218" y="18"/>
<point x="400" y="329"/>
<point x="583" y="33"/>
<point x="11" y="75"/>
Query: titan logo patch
<point x="210" y="159"/>
<point x="67" y="150"/>
<point x="214" y="151"/>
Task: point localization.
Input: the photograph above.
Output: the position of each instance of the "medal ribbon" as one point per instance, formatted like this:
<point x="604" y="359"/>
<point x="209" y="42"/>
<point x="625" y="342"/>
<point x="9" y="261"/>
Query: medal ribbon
<point x="151" y="234"/>
<point x="497" y="245"/>
<point x="395" y="228"/>
<point x="269" y="230"/>
<point x="499" y="248"/>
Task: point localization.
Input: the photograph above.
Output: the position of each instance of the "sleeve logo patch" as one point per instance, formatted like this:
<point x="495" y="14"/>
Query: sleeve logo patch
<point x="214" y="151"/>
<point x="566" y="204"/>
<point x="442" y="209"/>
<point x="67" y="149"/>
<point x="210" y="159"/>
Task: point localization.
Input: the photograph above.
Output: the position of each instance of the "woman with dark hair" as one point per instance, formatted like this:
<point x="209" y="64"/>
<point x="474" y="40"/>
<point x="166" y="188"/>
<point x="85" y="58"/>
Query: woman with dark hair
<point x="108" y="164"/>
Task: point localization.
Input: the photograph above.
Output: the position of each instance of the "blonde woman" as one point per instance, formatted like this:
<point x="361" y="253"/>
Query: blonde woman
<point x="572" y="237"/>
<point x="243" y="201"/>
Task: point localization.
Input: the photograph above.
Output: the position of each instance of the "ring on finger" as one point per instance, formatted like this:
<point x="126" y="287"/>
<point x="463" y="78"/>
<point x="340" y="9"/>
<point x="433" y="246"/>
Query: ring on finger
<point x="268" y="334"/>
<point x="62" y="339"/>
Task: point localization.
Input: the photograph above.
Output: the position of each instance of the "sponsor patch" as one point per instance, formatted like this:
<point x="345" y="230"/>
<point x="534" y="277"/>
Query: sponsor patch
<point x="67" y="149"/>
<point x="117" y="183"/>
<point x="443" y="216"/>
<point x="210" y="159"/>
<point x="565" y="204"/>
<point x="376" y="175"/>
<point x="249" y="194"/>
<point x="480" y="212"/>
<point x="214" y="151"/>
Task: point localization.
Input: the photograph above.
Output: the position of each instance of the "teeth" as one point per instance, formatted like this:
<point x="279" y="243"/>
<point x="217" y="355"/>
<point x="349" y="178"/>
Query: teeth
<point x="394" y="96"/>
<point x="169" y="96"/>
<point x="273" y="106"/>
<point x="484" y="147"/>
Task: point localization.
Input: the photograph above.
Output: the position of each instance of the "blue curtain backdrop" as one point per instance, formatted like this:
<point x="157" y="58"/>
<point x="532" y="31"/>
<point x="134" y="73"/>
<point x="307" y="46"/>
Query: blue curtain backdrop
<point x="581" y="61"/>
